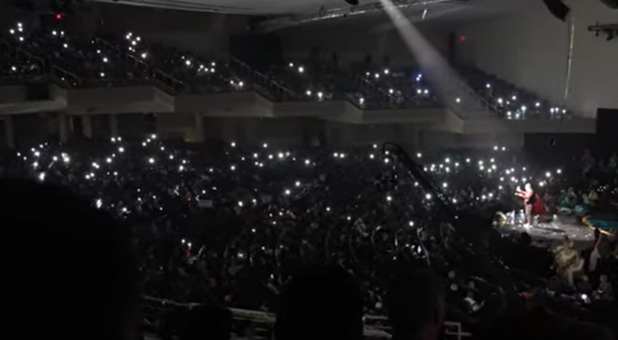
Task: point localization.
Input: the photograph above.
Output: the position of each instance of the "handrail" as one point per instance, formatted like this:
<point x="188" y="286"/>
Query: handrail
<point x="262" y="76"/>
<point x="452" y="328"/>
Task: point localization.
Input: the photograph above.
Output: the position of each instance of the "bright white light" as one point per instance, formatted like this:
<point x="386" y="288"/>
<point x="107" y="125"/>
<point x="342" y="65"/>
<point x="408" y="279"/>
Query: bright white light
<point x="102" y="74"/>
<point x="301" y="69"/>
<point x="377" y="76"/>
<point x="514" y="98"/>
<point x="297" y="184"/>
<point x="361" y="101"/>
<point x="386" y="160"/>
<point x="233" y="167"/>
<point x="153" y="136"/>
<point x="41" y="176"/>
<point x="287" y="192"/>
<point x="265" y="145"/>
<point x="108" y="160"/>
<point x="327" y="209"/>
<point x="537" y="104"/>
<point x="457" y="100"/>
<point x="488" y="85"/>
<point x="391" y="91"/>
<point x="144" y="55"/>
<point x="386" y="71"/>
<point x="371" y="156"/>
<point x="181" y="168"/>
<point x="105" y="60"/>
<point x="99" y="203"/>
<point x="500" y="101"/>
<point x="241" y="204"/>
<point x="233" y="144"/>
<point x="151" y="160"/>
<point x="307" y="162"/>
<point x="445" y="185"/>
<point x="559" y="171"/>
<point x="389" y="198"/>
<point x="427" y="196"/>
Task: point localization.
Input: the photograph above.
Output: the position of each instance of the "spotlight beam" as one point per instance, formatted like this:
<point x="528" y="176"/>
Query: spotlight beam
<point x="446" y="81"/>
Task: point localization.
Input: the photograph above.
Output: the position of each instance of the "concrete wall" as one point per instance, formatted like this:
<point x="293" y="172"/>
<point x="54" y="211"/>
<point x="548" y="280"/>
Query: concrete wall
<point x="529" y="49"/>
<point x="204" y="33"/>
<point x="353" y="41"/>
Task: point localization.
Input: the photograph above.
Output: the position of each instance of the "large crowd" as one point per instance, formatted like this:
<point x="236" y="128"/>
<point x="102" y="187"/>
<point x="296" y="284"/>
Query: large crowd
<point x="129" y="59"/>
<point x="231" y="224"/>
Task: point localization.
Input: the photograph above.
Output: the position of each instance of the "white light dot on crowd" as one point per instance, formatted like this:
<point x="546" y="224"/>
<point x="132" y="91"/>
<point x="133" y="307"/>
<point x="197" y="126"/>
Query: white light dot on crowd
<point x="419" y="155"/>
<point x="371" y="156"/>
<point x="233" y="144"/>
<point x="241" y="204"/>
<point x="108" y="160"/>
<point x="297" y="183"/>
<point x="428" y="196"/>
<point x="328" y="209"/>
<point x="559" y="171"/>
<point x="389" y="198"/>
<point x="171" y="157"/>
<point x="265" y="145"/>
<point x="42" y="176"/>
<point x="445" y="185"/>
<point x="287" y="192"/>
<point x="457" y="100"/>
<point x="301" y="69"/>
<point x="386" y="160"/>
<point x="233" y="167"/>
<point x="307" y="162"/>
<point x="181" y="168"/>
<point x="548" y="174"/>
<point x="411" y="223"/>
<point x="151" y="160"/>
<point x="280" y="155"/>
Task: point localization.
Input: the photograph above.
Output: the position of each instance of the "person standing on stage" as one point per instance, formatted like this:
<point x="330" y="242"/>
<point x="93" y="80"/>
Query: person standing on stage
<point x="528" y="197"/>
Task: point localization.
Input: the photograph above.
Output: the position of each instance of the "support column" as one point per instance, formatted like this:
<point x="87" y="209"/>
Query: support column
<point x="199" y="128"/>
<point x="9" y="132"/>
<point x="87" y="126"/>
<point x="113" y="125"/>
<point x="63" y="128"/>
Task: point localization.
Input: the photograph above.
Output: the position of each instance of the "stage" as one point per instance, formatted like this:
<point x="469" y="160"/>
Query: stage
<point x="547" y="233"/>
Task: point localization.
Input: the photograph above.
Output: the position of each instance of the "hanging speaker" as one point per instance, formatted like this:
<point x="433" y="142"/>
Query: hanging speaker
<point x="557" y="8"/>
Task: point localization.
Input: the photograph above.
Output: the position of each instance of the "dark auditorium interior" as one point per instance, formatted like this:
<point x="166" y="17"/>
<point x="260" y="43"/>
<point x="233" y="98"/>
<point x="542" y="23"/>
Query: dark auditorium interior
<point x="309" y="169"/>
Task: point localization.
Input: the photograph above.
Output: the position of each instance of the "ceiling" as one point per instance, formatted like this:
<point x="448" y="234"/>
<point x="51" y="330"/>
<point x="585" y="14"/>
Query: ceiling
<point x="294" y="7"/>
<point x="288" y="13"/>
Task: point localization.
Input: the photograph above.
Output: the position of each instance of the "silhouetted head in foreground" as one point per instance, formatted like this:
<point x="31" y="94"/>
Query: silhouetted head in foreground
<point x="208" y="322"/>
<point x="321" y="303"/>
<point x="68" y="269"/>
<point x="416" y="306"/>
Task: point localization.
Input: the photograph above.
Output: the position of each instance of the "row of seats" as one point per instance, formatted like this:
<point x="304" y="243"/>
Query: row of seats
<point x="129" y="59"/>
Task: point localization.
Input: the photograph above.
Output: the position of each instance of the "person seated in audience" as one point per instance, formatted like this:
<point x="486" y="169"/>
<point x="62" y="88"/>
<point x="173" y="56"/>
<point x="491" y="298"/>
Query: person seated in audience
<point x="69" y="269"/>
<point x="416" y="306"/>
<point x="321" y="303"/>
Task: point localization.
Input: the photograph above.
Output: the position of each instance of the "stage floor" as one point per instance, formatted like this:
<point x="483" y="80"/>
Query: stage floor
<point x="549" y="233"/>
